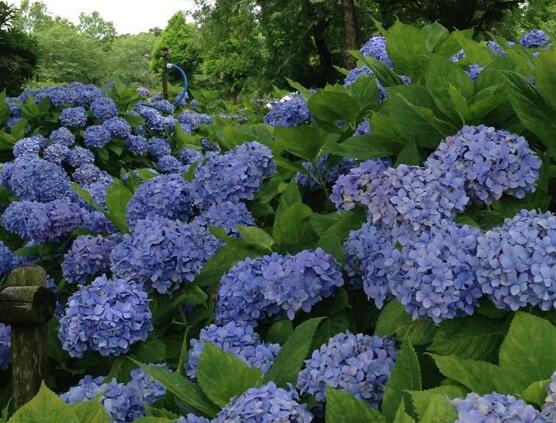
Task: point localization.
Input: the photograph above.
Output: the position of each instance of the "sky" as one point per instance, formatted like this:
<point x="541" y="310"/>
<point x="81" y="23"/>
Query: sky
<point x="129" y="16"/>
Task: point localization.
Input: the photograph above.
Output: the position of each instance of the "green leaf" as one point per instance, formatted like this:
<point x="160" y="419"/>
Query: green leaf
<point x="290" y="359"/>
<point x="536" y="392"/>
<point x="302" y="141"/>
<point x="289" y="197"/>
<point x="331" y="106"/>
<point x="409" y="154"/>
<point x="86" y="197"/>
<point x="332" y="326"/>
<point x="365" y="92"/>
<point x="527" y="352"/>
<point x="406" y="375"/>
<point x="292" y="228"/>
<point x="279" y="332"/>
<point x="91" y="412"/>
<point x="394" y="320"/>
<point x="222" y="375"/>
<point x="363" y="147"/>
<point x="332" y="240"/>
<point x="342" y="407"/>
<point x="182" y="388"/>
<point x="544" y="75"/>
<point x="440" y="410"/>
<point x="45" y="407"/>
<point x="407" y="47"/>
<point x="117" y="197"/>
<point x="422" y="400"/>
<point x="402" y="416"/>
<point x="256" y="237"/>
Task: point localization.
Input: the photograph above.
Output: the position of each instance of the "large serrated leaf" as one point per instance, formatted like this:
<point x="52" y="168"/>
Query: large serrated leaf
<point x="45" y="407"/>
<point x="342" y="407"/>
<point x="394" y="320"/>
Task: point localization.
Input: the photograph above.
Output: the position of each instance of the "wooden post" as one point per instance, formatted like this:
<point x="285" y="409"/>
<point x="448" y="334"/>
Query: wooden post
<point x="165" y="60"/>
<point x="27" y="305"/>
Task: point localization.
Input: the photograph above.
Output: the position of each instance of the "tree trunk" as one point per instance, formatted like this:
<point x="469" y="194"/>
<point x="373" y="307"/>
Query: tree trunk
<point x="325" y="57"/>
<point x="350" y="31"/>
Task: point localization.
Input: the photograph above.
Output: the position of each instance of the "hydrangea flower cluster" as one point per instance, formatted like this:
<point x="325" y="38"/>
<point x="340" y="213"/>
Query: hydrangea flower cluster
<point x="289" y="113"/>
<point x="158" y="147"/>
<point x="191" y="121"/>
<point x="137" y="144"/>
<point x="359" y="364"/>
<point x="549" y="407"/>
<point x="496" y="48"/>
<point x="492" y="162"/>
<point x="165" y="195"/>
<point x="311" y="181"/>
<point x="233" y="176"/>
<point x="62" y="136"/>
<point x="267" y="403"/>
<point x="240" y="340"/>
<point x="192" y="418"/>
<point x="29" y="147"/>
<point x="474" y="71"/>
<point x="107" y="316"/>
<point x="275" y="285"/>
<point x="7" y="260"/>
<point x="376" y="47"/>
<point x="5" y="345"/>
<point x="104" y="108"/>
<point x="364" y="128"/>
<point x="79" y="156"/>
<point x="535" y="39"/>
<point x="355" y="187"/>
<point x="495" y="407"/>
<point x="96" y="136"/>
<point x="164" y="254"/>
<point x="73" y="94"/>
<point x="438" y="273"/>
<point x="89" y="256"/>
<point x="118" y="127"/>
<point x="518" y="262"/>
<point x="74" y="117"/>
<point x="56" y="153"/>
<point x="226" y="215"/>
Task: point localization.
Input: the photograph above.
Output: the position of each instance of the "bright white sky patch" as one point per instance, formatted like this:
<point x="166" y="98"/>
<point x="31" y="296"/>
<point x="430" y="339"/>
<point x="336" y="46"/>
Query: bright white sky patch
<point x="129" y="16"/>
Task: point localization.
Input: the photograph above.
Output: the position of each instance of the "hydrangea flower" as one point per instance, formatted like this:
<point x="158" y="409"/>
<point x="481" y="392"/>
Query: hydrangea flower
<point x="289" y="113"/>
<point x="147" y="388"/>
<point x="97" y="222"/>
<point x="376" y="47"/>
<point x="165" y="195"/>
<point x="7" y="260"/>
<point x="369" y="253"/>
<point x="117" y="127"/>
<point x="355" y="187"/>
<point x="169" y="164"/>
<point x="162" y="253"/>
<point x="191" y="121"/>
<point x="89" y="256"/>
<point x="137" y="144"/>
<point x="163" y="106"/>
<point x="329" y="175"/>
<point x="107" y="316"/>
<point x="356" y="73"/>
<point x="549" y="407"/>
<point x="233" y="176"/>
<point x="495" y="407"/>
<point x="74" y="117"/>
<point x="5" y="346"/>
<point x="189" y="156"/>
<point x="104" y="108"/>
<point x="535" y="39"/>
<point x="492" y="162"/>
<point x="29" y="147"/>
<point x="37" y="179"/>
<point x="98" y="191"/>
<point x="359" y="364"/>
<point x="96" y="136"/>
<point x="460" y="55"/>
<point x="364" y="128"/>
<point x="438" y="273"/>
<point x="474" y="71"/>
<point x="89" y="173"/>
<point x="267" y="403"/>
<point x="496" y="48"/>
<point x="411" y="199"/>
<point x="153" y="119"/>
<point x="276" y="285"/>
<point x="226" y="215"/>
<point x="237" y="339"/>
<point x="518" y="262"/>
<point x="192" y="418"/>
<point x="79" y="156"/>
<point x="56" y="153"/>
<point x="158" y="147"/>
<point x="143" y="92"/>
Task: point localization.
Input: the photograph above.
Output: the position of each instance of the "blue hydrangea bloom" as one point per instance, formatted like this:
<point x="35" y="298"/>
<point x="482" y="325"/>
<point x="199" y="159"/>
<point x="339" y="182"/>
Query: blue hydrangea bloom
<point x="267" y="403"/>
<point x="549" y="407"/>
<point x="289" y="113"/>
<point x="147" y="388"/>
<point x="104" y="108"/>
<point x="233" y="176"/>
<point x="355" y="187"/>
<point x="37" y="179"/>
<point x="356" y="73"/>
<point x="117" y="127"/>
<point x="518" y="262"/>
<point x="107" y="316"/>
<point x="411" y="199"/>
<point x="158" y="147"/>
<point x="438" y="270"/>
<point x="460" y="55"/>
<point x="153" y="119"/>
<point x="98" y="191"/>
<point x="29" y="147"/>
<point x="237" y="339"/>
<point x="137" y="144"/>
<point x="189" y="156"/>
<point x="88" y="174"/>
<point x="162" y="253"/>
<point x="74" y="117"/>
<point x="96" y="136"/>
<point x="364" y="128"/>
<point x="370" y="254"/>
<point x="89" y="256"/>
<point x="328" y="174"/>
<point x="496" y="48"/>
<point x="495" y="407"/>
<point x="376" y="47"/>
<point x="359" y="364"/>
<point x="535" y="39"/>
<point x="474" y="71"/>
<point x="56" y="153"/>
<point x="165" y="195"/>
<point x="5" y="346"/>
<point x="7" y="260"/>
<point x="79" y="156"/>
<point x="492" y="162"/>
<point x="163" y="106"/>
<point x="97" y="222"/>
<point x="226" y="215"/>
<point x="143" y="92"/>
<point x="169" y="164"/>
<point x="192" y="418"/>
<point x="191" y="121"/>
<point x="86" y="389"/>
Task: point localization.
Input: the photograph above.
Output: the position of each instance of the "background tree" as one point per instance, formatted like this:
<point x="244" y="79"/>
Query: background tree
<point x="129" y="61"/>
<point x="95" y="26"/>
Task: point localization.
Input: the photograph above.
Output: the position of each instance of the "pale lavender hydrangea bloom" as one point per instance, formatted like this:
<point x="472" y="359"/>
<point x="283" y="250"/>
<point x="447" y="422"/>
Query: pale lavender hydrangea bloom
<point x="7" y="260"/>
<point x="376" y="47"/>
<point x="549" y="407"/>
<point x="496" y="48"/>
<point x="289" y="113"/>
<point x="226" y="215"/>
<point x="89" y="173"/>
<point x="364" y="128"/>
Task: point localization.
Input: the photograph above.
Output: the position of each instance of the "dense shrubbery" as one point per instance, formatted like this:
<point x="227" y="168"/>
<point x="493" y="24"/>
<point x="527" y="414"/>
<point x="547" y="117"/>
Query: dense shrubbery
<point x="381" y="250"/>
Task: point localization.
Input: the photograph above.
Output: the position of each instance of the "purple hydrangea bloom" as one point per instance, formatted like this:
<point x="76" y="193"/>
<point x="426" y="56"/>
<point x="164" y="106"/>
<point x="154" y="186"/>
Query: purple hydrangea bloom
<point x="233" y="176"/>
<point x="79" y="156"/>
<point x="518" y="262"/>
<point x="117" y="127"/>
<point x="496" y="48"/>
<point x="96" y="136"/>
<point x="474" y="71"/>
<point x="169" y="164"/>
<point x="165" y="195"/>
<point x="369" y="253"/>
<point x="328" y="174"/>
<point x="74" y="117"/>
<point x="37" y="179"/>
<point x="549" y="407"/>
<point x="29" y="147"/>
<point x="356" y="73"/>
<point x="239" y="340"/>
<point x="491" y="162"/>
<point x="267" y="403"/>
<point x="107" y="316"/>
<point x="289" y="113"/>
<point x="359" y="364"/>
<point x="226" y="215"/>
<point x="137" y="144"/>
<point x="89" y="256"/>
<point x="438" y="273"/>
<point x="191" y="121"/>
<point x="364" y="128"/>
<point x="158" y="147"/>
<point x="56" y="153"/>
<point x="495" y="407"/>
<point x="5" y="346"/>
<point x="88" y="174"/>
<point x="104" y="108"/>
<point x="535" y="39"/>
<point x="376" y="47"/>
<point x="164" y="254"/>
<point x="143" y="92"/>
